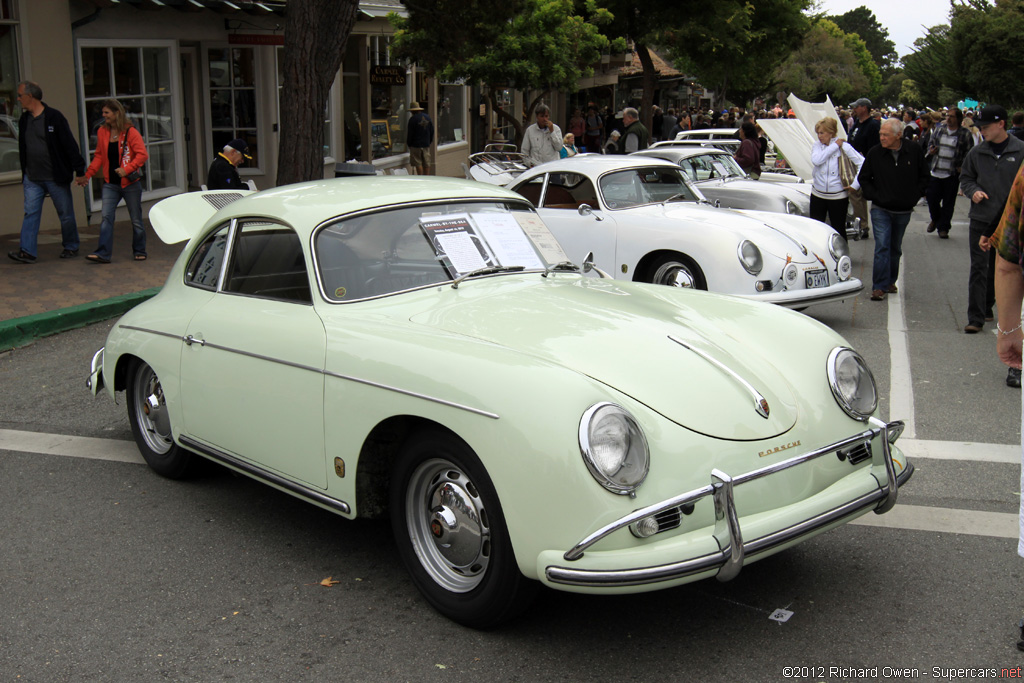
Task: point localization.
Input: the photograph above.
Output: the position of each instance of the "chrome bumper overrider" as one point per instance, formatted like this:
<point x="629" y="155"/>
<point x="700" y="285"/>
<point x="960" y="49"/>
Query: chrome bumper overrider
<point x="95" y="381"/>
<point x="733" y="549"/>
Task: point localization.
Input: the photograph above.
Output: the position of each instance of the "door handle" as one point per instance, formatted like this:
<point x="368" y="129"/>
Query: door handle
<point x="190" y="340"/>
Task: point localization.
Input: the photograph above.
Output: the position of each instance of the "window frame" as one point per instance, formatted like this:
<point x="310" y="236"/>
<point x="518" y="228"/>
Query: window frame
<point x="258" y="79"/>
<point x="14" y="175"/>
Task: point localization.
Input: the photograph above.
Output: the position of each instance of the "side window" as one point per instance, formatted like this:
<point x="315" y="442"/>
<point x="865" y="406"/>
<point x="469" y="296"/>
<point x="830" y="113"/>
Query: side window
<point x="204" y="266"/>
<point x="267" y="262"/>
<point x="569" y="190"/>
<point x="531" y="190"/>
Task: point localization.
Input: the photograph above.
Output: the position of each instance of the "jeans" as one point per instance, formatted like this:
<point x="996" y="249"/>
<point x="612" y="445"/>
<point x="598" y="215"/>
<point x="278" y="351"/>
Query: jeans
<point x="61" y="196"/>
<point x="113" y="193"/>
<point x="941" y="195"/>
<point x="981" y="291"/>
<point x="888" y="230"/>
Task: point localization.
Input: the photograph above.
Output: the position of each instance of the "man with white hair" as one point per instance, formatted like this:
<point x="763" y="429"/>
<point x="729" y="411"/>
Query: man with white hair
<point x="223" y="174"/>
<point x="894" y="177"/>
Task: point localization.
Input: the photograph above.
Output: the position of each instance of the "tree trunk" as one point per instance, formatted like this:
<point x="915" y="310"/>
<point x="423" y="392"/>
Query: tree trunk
<point x="315" y="35"/>
<point x="517" y="123"/>
<point x="649" y="81"/>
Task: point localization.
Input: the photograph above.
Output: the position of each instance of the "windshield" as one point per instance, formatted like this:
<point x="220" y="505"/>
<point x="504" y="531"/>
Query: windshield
<point x="393" y="250"/>
<point x="639" y="186"/>
<point x="711" y="167"/>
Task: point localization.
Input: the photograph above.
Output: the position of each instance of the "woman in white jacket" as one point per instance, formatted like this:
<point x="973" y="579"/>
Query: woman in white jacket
<point x="829" y="196"/>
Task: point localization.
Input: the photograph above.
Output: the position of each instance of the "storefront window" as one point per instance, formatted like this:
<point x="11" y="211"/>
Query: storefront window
<point x="352" y="99"/>
<point x="451" y="114"/>
<point x="232" y="72"/>
<point x="389" y="100"/>
<point x="10" y="111"/>
<point x="139" y="77"/>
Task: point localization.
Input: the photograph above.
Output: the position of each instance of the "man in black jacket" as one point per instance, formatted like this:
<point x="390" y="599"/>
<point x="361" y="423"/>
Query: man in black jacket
<point x="894" y="177"/>
<point x="863" y="136"/>
<point x="223" y="173"/>
<point x="50" y="159"/>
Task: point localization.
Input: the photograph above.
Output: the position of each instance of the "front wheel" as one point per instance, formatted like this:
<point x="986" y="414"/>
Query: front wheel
<point x="675" y="270"/>
<point x="451" y="533"/>
<point x="151" y="423"/>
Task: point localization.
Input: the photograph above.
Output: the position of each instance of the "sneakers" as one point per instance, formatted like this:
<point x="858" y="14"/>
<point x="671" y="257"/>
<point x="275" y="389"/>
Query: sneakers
<point x="21" y="256"/>
<point x="69" y="253"/>
<point x="972" y="329"/>
<point x="877" y="294"/>
<point x="1013" y="378"/>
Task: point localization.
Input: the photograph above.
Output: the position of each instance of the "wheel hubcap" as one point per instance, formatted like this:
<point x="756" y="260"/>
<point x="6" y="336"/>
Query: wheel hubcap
<point x="674" y="275"/>
<point x="448" y="525"/>
<point x="151" y="410"/>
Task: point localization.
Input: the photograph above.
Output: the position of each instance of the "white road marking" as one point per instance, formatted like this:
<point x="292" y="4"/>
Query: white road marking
<point x="954" y="450"/>
<point x="71" y="446"/>
<point x="901" y="388"/>
<point x="945" y="520"/>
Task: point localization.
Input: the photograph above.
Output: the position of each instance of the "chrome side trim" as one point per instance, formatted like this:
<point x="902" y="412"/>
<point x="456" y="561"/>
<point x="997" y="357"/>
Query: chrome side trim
<point x="265" y="475"/>
<point x="433" y="399"/>
<point x="882" y="456"/>
<point x="450" y="404"/>
<point x="678" y="570"/>
<point x="760" y="403"/>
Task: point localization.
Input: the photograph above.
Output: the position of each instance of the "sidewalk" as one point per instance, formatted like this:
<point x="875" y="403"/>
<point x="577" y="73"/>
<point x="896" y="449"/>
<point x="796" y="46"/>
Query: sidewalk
<point x="53" y="294"/>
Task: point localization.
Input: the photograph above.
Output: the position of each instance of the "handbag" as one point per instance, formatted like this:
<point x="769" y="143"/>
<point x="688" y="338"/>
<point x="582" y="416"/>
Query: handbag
<point x="126" y="157"/>
<point x="847" y="171"/>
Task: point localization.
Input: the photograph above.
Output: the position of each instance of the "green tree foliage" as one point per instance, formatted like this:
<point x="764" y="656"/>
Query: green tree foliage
<point x="739" y="47"/>
<point x="985" y="40"/>
<point x="538" y="45"/>
<point x="859" y="49"/>
<point x="892" y="93"/>
<point x="862" y="21"/>
<point x="933" y="66"/>
<point x="824" y="65"/>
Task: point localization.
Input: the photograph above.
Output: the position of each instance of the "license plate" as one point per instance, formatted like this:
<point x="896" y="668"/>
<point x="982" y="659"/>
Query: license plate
<point x="816" y="278"/>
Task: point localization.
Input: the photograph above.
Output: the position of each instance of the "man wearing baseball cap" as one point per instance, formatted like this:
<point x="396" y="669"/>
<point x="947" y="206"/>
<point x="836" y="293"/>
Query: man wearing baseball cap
<point x="988" y="173"/>
<point x="863" y="136"/>
<point x="223" y="174"/>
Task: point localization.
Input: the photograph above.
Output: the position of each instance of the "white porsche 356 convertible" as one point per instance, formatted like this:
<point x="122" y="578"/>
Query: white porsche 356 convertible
<point x="422" y="348"/>
<point x="645" y="222"/>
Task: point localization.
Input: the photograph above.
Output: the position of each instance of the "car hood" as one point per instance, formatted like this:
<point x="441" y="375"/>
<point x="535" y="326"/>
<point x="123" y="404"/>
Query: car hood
<point x="690" y="363"/>
<point x="771" y="232"/>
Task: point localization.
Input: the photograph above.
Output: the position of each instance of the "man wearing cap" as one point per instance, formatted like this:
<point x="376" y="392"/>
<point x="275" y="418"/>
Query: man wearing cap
<point x="223" y="173"/>
<point x="863" y="136"/>
<point x="419" y="137"/>
<point x="986" y="178"/>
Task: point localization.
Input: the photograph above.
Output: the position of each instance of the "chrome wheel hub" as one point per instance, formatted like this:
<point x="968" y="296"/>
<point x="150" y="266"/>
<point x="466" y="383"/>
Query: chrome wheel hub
<point x="151" y="411"/>
<point x="674" y="275"/>
<point x="448" y="525"/>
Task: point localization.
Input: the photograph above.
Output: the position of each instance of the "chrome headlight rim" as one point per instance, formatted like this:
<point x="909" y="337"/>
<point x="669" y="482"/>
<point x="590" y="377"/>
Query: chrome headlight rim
<point x="636" y="455"/>
<point x="750" y="257"/>
<point x="838" y="246"/>
<point x="835" y="357"/>
<point x="793" y="209"/>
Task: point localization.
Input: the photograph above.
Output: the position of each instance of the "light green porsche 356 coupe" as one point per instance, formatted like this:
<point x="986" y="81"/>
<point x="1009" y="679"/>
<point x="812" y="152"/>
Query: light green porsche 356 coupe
<point x="422" y="348"/>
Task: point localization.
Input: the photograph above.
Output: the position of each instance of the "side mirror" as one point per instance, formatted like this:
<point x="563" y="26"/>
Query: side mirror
<point x="586" y="210"/>
<point x="588" y="265"/>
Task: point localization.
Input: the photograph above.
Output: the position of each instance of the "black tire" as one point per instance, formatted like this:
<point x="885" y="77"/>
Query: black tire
<point x="459" y="555"/>
<point x="673" y="270"/>
<point x="151" y="424"/>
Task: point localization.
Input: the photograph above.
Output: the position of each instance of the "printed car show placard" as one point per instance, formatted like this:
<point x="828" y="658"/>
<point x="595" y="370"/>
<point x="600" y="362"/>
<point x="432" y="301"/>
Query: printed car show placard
<point x="506" y="239"/>
<point x="545" y="242"/>
<point x="454" y="237"/>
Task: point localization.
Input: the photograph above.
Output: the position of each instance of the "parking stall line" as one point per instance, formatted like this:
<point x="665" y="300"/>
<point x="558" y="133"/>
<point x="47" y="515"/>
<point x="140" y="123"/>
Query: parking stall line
<point x="115" y="450"/>
<point x="945" y="520"/>
<point x="901" y="388"/>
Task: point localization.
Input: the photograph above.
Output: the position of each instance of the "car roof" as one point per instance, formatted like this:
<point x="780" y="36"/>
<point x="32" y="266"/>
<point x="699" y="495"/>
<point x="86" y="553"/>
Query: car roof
<point x="681" y="152"/>
<point x="306" y="205"/>
<point x="595" y="164"/>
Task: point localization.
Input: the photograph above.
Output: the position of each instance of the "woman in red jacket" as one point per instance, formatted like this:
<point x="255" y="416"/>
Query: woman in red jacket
<point x="120" y="152"/>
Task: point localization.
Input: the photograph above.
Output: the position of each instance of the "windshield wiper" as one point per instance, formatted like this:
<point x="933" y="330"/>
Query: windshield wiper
<point x="564" y="265"/>
<point x="486" y="270"/>
<point x="681" y="195"/>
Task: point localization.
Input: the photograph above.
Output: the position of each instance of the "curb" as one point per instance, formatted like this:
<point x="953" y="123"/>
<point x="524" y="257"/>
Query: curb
<point x="21" y="331"/>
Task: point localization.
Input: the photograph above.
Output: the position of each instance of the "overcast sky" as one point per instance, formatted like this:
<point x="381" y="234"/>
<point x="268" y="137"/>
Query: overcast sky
<point x="904" y="19"/>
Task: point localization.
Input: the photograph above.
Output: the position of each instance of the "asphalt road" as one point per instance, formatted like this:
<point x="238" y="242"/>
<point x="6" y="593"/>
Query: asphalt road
<point x="111" y="573"/>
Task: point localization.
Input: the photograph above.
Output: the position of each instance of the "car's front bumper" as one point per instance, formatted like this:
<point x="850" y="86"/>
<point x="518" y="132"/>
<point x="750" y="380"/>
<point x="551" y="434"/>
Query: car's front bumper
<point x="95" y="381"/>
<point x="726" y="550"/>
<point x="799" y="298"/>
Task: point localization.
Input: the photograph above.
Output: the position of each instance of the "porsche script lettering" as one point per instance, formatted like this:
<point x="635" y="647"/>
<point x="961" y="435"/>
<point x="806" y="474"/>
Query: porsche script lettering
<point x="784" y="447"/>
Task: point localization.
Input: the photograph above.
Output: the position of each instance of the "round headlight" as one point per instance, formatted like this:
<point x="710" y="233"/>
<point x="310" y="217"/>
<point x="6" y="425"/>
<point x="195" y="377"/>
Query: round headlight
<point x="844" y="269"/>
<point x="837" y="246"/>
<point x="790" y="274"/>
<point x="750" y="257"/>
<point x="613" y="447"/>
<point x="852" y="383"/>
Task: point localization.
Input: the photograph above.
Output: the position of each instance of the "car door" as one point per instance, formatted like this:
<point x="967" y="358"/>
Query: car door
<point x="560" y="200"/>
<point x="252" y="381"/>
